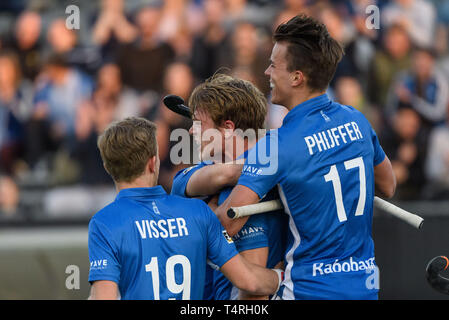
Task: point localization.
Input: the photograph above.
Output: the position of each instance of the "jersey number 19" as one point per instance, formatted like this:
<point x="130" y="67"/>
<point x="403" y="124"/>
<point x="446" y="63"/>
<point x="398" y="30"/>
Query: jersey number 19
<point x="174" y="287"/>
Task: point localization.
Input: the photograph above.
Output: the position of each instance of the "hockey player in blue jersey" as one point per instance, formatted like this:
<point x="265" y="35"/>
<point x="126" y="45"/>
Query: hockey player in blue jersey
<point x="225" y="104"/>
<point x="150" y="245"/>
<point x="328" y="165"/>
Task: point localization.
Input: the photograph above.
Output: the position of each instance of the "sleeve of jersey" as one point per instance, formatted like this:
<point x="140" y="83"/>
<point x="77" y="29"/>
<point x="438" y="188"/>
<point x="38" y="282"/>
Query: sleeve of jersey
<point x="220" y="247"/>
<point x="104" y="264"/>
<point x="182" y="178"/>
<point x="253" y="234"/>
<point x="379" y="153"/>
<point x="261" y="171"/>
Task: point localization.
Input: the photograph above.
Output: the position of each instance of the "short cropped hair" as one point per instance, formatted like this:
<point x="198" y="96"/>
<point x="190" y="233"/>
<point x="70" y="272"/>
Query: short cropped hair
<point x="225" y="97"/>
<point x="310" y="49"/>
<point x="126" y="146"/>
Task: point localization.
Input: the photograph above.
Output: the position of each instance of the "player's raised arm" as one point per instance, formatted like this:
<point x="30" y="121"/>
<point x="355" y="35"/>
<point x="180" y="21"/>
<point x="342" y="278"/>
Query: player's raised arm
<point x="211" y="179"/>
<point x="240" y="196"/>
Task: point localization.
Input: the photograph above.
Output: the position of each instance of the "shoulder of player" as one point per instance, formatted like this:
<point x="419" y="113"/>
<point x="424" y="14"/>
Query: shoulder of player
<point x="353" y="113"/>
<point x="183" y="172"/>
<point x="176" y="201"/>
<point x="112" y="213"/>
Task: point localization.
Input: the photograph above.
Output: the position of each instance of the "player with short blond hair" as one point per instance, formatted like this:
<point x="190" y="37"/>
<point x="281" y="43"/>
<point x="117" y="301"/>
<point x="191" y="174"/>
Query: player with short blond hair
<point x="234" y="108"/>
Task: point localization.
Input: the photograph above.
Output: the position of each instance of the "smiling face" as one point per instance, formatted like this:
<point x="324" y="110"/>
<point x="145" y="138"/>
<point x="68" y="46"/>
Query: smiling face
<point x="209" y="138"/>
<point x="280" y="77"/>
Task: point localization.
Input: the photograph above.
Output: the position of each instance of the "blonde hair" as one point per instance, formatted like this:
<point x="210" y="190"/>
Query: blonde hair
<point x="126" y="146"/>
<point x="228" y="98"/>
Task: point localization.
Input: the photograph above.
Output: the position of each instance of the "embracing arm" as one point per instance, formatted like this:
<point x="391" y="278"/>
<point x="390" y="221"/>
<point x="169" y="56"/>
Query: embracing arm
<point x="240" y="196"/>
<point x="257" y="256"/>
<point x="211" y="179"/>
<point x="250" y="277"/>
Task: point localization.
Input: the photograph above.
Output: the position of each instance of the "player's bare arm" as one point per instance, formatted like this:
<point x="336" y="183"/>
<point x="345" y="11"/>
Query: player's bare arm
<point x="240" y="196"/>
<point x="104" y="290"/>
<point x="211" y="179"/>
<point x="385" y="180"/>
<point x="257" y="256"/>
<point x="250" y="277"/>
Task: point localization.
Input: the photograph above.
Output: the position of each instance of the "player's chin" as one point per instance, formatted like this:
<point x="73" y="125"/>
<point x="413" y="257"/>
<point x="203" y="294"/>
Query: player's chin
<point x="274" y="99"/>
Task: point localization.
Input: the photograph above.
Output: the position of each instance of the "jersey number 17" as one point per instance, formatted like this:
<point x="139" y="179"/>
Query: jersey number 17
<point x="334" y="177"/>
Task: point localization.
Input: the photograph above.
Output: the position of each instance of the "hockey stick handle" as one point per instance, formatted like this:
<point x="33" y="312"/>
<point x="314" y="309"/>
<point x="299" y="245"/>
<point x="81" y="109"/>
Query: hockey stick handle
<point x="408" y="217"/>
<point x="261" y="207"/>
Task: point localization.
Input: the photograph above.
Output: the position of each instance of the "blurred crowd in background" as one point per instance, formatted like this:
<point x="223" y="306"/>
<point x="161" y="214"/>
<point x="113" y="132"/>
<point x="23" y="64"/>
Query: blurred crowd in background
<point x="59" y="88"/>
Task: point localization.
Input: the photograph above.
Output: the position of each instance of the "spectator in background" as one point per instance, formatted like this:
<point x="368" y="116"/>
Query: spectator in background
<point x="442" y="34"/>
<point x="417" y="17"/>
<point x="15" y="102"/>
<point x="361" y="43"/>
<point x="110" y="101"/>
<point x="344" y="33"/>
<point x="172" y="17"/>
<point x="178" y="80"/>
<point x="126" y="101"/>
<point x="25" y="43"/>
<point x="348" y="91"/>
<point x="394" y="56"/>
<point x="64" y="42"/>
<point x="112" y="28"/>
<point x="180" y="20"/>
<point x="423" y="88"/>
<point x="60" y="91"/>
<point x="238" y="10"/>
<point x="292" y="8"/>
<point x="91" y="120"/>
<point x="406" y="146"/>
<point x="143" y="62"/>
<point x="246" y="52"/>
<point x="212" y="43"/>
<point x="437" y="163"/>
<point x="9" y="199"/>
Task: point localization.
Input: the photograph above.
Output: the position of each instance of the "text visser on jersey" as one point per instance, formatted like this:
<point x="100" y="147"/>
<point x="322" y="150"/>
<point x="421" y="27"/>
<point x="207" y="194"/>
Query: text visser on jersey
<point x="324" y="169"/>
<point x="155" y="246"/>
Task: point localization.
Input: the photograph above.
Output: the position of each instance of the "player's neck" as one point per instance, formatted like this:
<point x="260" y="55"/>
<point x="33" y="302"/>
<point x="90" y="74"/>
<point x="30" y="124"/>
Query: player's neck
<point x="140" y="182"/>
<point x="303" y="97"/>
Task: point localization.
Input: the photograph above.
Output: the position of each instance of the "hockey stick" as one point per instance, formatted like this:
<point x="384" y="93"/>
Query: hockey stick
<point x="433" y="269"/>
<point x="408" y="217"/>
<point x="176" y="104"/>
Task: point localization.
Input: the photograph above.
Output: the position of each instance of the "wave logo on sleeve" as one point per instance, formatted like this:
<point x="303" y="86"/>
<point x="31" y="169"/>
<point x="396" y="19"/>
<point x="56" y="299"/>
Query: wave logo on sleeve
<point x="227" y="237"/>
<point x="98" y="264"/>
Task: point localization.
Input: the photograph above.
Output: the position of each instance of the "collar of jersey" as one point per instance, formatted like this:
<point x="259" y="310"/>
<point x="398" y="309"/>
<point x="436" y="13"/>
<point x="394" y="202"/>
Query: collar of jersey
<point x="141" y="192"/>
<point x="307" y="106"/>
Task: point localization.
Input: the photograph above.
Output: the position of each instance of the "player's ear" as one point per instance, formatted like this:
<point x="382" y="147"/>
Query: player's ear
<point x="229" y="127"/>
<point x="104" y="166"/>
<point x="152" y="164"/>
<point x="297" y="78"/>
